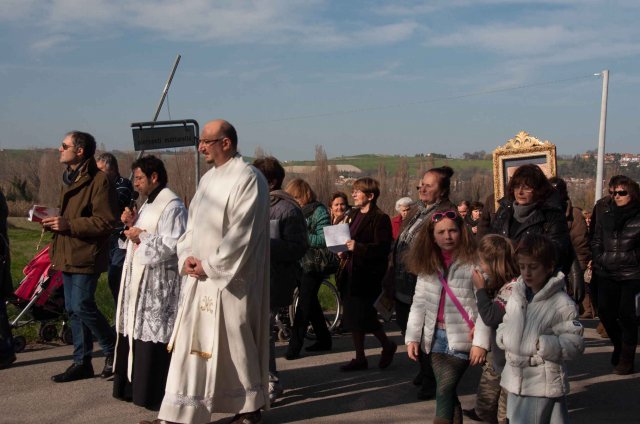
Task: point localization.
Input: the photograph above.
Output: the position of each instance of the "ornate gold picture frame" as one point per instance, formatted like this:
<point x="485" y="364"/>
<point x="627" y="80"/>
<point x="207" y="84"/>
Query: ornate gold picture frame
<point x="520" y="150"/>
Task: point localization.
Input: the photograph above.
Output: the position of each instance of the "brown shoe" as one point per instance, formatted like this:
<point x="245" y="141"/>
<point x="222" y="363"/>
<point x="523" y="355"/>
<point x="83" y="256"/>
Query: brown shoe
<point x="254" y="417"/>
<point x="601" y="330"/>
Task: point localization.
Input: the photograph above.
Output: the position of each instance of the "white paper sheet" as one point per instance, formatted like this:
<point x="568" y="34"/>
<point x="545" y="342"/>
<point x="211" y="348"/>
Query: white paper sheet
<point x="37" y="213"/>
<point x="336" y="237"/>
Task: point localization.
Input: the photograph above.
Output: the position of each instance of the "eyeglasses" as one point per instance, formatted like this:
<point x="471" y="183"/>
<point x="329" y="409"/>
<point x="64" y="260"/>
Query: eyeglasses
<point x="211" y="141"/>
<point x="67" y="146"/>
<point x="524" y="188"/>
<point x="618" y="192"/>
<point x="447" y="214"/>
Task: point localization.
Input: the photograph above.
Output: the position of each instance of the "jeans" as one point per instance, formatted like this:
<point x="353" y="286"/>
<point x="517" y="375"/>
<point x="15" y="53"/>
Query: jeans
<point x="6" y="340"/>
<point x="440" y="344"/>
<point x="84" y="316"/>
<point x="116" y="261"/>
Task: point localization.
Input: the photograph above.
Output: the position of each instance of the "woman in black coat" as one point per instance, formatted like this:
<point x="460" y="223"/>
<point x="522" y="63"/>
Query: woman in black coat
<point x="361" y="272"/>
<point x="615" y="246"/>
<point x="532" y="206"/>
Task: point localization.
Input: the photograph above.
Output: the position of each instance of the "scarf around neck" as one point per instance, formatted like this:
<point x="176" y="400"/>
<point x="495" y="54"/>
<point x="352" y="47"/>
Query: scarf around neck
<point x="70" y="176"/>
<point x="523" y="212"/>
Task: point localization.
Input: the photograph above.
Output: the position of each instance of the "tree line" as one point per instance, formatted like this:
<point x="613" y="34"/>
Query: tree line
<point x="34" y="177"/>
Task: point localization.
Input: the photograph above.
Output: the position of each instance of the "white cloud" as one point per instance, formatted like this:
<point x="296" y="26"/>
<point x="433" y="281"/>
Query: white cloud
<point x="230" y="22"/>
<point x="49" y="42"/>
<point x="513" y="40"/>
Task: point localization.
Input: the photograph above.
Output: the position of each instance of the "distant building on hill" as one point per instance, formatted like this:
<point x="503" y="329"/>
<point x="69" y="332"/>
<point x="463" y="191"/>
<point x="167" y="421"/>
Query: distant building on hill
<point x="302" y="169"/>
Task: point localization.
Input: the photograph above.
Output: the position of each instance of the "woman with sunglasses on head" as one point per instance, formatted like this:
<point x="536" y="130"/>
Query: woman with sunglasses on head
<point x="443" y="322"/>
<point x="615" y="246"/>
<point x="399" y="283"/>
<point x="361" y="271"/>
<point x="532" y="206"/>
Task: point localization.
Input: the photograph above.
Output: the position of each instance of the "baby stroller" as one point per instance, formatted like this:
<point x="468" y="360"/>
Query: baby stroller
<point x="41" y="294"/>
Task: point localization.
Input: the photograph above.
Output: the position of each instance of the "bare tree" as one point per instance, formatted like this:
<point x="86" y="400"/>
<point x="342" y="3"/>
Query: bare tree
<point x="51" y="179"/>
<point x="180" y="170"/>
<point x="401" y="180"/>
<point x="321" y="179"/>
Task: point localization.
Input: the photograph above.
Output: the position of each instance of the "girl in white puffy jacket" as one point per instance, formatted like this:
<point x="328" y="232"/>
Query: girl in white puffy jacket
<point x="441" y="321"/>
<point x="540" y="330"/>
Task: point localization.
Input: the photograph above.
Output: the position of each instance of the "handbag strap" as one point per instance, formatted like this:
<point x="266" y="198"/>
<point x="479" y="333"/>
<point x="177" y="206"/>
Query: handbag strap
<point x="455" y="301"/>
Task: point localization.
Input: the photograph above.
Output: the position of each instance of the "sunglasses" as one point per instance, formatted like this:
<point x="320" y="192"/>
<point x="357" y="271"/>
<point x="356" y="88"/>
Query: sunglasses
<point x="618" y="192"/>
<point x="447" y="214"/>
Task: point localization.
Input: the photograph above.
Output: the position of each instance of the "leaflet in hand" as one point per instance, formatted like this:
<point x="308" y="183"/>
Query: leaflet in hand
<point x="336" y="237"/>
<point x="37" y="213"/>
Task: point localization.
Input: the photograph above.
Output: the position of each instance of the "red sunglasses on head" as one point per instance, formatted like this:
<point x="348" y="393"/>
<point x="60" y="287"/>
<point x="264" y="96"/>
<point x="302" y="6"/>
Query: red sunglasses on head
<point x="451" y="214"/>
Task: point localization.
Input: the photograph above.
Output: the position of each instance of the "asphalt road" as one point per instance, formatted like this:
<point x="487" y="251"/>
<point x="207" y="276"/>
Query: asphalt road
<point x="315" y="390"/>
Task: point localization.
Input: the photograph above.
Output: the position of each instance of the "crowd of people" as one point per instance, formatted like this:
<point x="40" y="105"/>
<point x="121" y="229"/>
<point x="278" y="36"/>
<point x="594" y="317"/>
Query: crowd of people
<point x="197" y="291"/>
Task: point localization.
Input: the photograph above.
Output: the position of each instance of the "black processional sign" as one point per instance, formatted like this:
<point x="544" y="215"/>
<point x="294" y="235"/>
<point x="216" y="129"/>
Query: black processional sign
<point x="156" y="135"/>
<point x="164" y="134"/>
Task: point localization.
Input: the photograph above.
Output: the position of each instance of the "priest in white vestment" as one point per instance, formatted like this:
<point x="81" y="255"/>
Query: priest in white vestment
<point x="150" y="287"/>
<point x="220" y="341"/>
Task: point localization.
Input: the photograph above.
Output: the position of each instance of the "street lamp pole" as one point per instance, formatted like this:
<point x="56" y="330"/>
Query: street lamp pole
<point x="603" y="130"/>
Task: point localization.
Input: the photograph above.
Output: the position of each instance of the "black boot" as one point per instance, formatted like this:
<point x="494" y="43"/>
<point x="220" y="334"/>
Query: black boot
<point x="75" y="372"/>
<point x="293" y="351"/>
<point x="107" y="371"/>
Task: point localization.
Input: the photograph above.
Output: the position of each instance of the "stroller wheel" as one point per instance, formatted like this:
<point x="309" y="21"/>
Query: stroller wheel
<point x="48" y="332"/>
<point x="66" y="335"/>
<point x="19" y="343"/>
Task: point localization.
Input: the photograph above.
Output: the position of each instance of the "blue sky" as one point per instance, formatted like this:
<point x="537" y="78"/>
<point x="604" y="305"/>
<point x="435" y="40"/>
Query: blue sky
<point x="401" y="77"/>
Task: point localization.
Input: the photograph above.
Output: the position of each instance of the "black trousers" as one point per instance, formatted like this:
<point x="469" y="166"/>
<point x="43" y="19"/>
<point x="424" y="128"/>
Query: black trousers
<point x="6" y="339"/>
<point x="149" y="375"/>
<point x="617" y="310"/>
<point x="309" y="311"/>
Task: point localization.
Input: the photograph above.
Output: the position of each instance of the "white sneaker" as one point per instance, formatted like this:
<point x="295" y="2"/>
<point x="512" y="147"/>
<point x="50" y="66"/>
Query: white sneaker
<point x="275" y="390"/>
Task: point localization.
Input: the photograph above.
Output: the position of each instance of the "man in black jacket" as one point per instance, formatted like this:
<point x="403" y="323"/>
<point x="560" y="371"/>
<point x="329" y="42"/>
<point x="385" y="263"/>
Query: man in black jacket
<point x="288" y="245"/>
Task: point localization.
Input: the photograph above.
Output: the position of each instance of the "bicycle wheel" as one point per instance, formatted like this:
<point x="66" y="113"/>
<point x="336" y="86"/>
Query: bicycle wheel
<point x="331" y="305"/>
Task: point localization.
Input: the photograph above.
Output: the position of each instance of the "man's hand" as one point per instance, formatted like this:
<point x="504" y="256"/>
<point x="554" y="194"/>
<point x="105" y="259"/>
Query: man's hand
<point x="133" y="234"/>
<point x="413" y="349"/>
<point x="193" y="267"/>
<point x="477" y="355"/>
<point x="56" y="224"/>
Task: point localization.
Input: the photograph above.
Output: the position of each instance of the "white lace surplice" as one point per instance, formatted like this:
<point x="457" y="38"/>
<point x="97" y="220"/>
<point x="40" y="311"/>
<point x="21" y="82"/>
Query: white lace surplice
<point x="159" y="290"/>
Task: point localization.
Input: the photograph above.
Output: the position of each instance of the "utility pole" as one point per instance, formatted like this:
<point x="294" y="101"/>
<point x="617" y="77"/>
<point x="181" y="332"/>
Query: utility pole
<point x="603" y="130"/>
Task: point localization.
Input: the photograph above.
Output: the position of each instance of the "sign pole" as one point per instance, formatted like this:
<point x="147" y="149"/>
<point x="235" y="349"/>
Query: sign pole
<point x="159" y="108"/>
<point x="603" y="130"/>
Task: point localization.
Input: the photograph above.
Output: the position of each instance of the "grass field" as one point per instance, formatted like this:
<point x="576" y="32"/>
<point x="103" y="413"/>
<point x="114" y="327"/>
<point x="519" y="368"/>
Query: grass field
<point x="24" y="237"/>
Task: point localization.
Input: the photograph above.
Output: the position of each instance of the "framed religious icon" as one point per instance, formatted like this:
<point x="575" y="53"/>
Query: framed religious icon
<point x="520" y="150"/>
